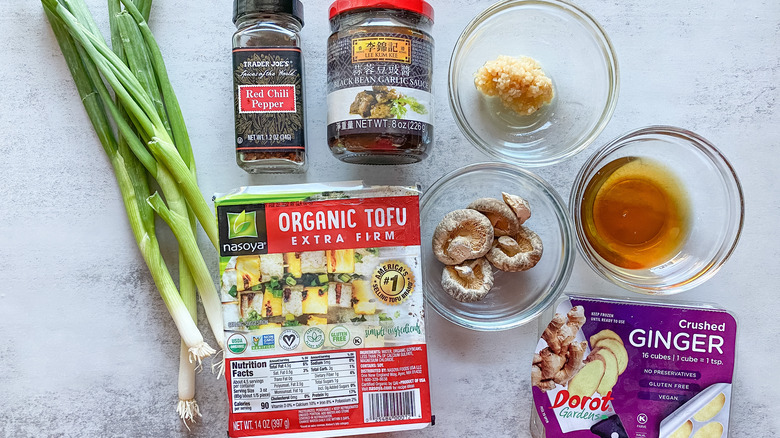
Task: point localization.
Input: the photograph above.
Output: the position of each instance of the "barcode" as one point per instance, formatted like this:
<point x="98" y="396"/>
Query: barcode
<point x="391" y="406"/>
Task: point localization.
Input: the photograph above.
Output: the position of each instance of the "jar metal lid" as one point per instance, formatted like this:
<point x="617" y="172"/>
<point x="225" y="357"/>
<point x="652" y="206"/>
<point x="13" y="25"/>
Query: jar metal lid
<point x="244" y="7"/>
<point x="418" y="6"/>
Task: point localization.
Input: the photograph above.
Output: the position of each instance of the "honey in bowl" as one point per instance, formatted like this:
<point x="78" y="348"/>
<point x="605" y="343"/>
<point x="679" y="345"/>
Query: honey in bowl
<point x="635" y="213"/>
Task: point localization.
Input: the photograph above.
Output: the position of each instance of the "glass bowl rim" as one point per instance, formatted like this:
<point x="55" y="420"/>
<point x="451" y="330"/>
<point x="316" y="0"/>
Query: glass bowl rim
<point x="564" y="226"/>
<point x="705" y="148"/>
<point x="613" y="77"/>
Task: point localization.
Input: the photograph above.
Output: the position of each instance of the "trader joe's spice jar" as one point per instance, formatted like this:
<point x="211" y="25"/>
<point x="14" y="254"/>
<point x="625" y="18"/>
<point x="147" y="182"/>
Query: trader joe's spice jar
<point x="380" y="64"/>
<point x="268" y="86"/>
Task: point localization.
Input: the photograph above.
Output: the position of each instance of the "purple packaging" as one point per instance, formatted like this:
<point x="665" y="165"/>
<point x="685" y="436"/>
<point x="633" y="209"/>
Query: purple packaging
<point x="659" y="365"/>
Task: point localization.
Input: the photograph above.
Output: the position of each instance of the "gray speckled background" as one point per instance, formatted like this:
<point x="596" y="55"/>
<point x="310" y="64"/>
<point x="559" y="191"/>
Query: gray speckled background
<point x="87" y="348"/>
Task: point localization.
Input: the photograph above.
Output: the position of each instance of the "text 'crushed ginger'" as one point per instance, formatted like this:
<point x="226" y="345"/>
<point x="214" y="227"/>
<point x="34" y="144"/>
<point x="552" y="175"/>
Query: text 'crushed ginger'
<point x="520" y="83"/>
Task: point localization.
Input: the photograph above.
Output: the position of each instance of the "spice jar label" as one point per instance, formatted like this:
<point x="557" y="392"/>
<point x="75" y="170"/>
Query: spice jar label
<point x="380" y="83"/>
<point x="268" y="100"/>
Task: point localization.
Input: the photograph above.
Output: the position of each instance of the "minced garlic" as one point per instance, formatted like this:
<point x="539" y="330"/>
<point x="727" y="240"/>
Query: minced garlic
<point x="520" y="83"/>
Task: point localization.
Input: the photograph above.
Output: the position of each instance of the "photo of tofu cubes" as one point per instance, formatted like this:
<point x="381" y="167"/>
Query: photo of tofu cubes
<point x="341" y="261"/>
<point x="292" y="301"/>
<point x="340" y="295"/>
<point x="302" y="288"/>
<point x="315" y="300"/>
<point x="247" y="272"/>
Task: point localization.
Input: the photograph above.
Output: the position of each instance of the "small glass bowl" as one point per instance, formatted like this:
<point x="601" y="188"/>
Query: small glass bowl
<point x="573" y="50"/>
<point x="516" y="297"/>
<point x="716" y="208"/>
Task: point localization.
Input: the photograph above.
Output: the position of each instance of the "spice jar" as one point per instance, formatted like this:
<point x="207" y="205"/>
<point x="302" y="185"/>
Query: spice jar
<point x="380" y="65"/>
<point x="268" y="86"/>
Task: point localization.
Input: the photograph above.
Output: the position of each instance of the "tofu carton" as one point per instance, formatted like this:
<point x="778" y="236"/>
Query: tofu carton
<point x="323" y="308"/>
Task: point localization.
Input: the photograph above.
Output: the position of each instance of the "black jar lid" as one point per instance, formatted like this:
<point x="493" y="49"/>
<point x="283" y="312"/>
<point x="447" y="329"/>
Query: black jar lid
<point x="244" y="7"/>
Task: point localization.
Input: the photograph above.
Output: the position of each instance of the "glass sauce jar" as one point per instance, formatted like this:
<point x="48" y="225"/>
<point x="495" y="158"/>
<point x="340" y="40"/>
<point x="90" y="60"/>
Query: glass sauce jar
<point x="380" y="66"/>
<point x="268" y="86"/>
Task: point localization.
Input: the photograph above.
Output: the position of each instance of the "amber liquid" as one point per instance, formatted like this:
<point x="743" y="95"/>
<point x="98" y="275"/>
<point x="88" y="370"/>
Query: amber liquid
<point x="635" y="213"/>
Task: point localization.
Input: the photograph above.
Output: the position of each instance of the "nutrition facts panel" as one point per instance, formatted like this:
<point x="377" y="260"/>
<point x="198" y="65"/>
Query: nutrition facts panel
<point x="294" y="382"/>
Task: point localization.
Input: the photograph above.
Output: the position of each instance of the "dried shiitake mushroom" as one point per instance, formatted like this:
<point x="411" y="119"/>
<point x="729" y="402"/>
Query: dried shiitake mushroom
<point x="462" y="235"/>
<point x="518" y="253"/>
<point x="468" y="282"/>
<point x="518" y="205"/>
<point x="502" y="217"/>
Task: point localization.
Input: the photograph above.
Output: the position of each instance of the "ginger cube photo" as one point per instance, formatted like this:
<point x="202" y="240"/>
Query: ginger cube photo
<point x="586" y="381"/>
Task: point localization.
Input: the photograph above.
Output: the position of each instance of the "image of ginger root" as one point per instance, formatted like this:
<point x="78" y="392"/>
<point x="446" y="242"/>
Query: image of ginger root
<point x="562" y="358"/>
<point x="607" y="360"/>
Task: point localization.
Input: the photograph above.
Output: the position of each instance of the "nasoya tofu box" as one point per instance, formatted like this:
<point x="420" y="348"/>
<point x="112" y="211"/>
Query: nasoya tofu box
<point x="323" y="309"/>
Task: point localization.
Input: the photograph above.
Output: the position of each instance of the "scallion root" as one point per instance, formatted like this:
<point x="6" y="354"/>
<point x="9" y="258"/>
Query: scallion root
<point x="218" y="365"/>
<point x="200" y="352"/>
<point x="188" y="410"/>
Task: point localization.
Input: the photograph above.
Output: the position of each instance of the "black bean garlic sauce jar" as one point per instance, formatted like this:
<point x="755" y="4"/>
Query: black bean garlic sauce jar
<point x="380" y="66"/>
<point x="268" y="86"/>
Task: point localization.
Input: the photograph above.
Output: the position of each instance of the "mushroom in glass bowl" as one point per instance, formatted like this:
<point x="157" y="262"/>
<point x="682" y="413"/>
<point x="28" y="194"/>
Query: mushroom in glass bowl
<point x="468" y="282"/>
<point x="462" y="235"/>
<point x="503" y="219"/>
<point x="518" y="252"/>
<point x="515" y="298"/>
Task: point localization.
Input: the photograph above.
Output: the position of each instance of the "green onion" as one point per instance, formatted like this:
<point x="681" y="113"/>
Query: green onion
<point x="208" y="292"/>
<point x="128" y="44"/>
<point x="187" y="406"/>
<point x="145" y="238"/>
<point x="141" y="109"/>
<point x="180" y="135"/>
<point x="152" y="141"/>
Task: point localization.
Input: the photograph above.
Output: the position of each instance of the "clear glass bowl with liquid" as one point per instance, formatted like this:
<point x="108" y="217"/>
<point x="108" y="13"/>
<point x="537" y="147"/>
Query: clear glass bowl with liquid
<point x="713" y="213"/>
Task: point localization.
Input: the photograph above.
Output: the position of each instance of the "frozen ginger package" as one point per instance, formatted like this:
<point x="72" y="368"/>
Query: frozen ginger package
<point x="323" y="310"/>
<point x="627" y="368"/>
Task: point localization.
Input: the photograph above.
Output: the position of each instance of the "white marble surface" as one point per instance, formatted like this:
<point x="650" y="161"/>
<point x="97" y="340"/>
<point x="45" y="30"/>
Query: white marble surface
<point x="86" y="347"/>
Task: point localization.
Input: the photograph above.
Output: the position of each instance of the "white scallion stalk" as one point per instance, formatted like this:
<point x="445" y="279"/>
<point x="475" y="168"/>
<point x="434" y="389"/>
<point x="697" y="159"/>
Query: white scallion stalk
<point x="208" y="291"/>
<point x="187" y="406"/>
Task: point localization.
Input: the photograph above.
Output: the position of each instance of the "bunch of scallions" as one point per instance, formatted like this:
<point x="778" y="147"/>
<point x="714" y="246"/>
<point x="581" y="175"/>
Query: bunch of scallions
<point x="131" y="104"/>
